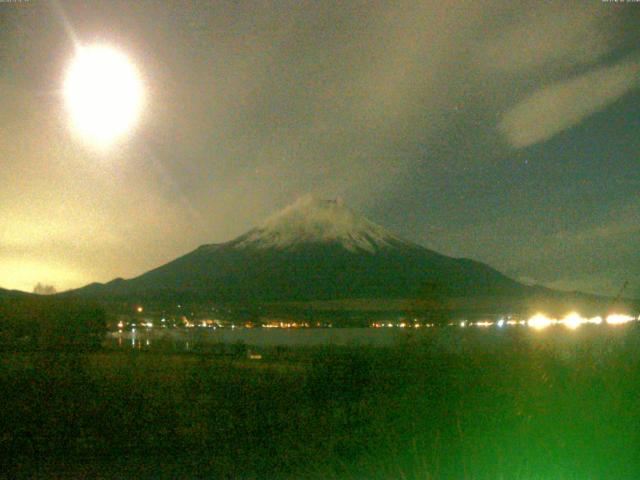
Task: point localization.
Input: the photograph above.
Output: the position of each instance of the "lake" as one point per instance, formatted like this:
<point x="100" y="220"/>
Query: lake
<point x="598" y="338"/>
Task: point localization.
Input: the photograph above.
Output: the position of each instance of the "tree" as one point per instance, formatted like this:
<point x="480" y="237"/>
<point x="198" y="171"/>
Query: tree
<point x="42" y="289"/>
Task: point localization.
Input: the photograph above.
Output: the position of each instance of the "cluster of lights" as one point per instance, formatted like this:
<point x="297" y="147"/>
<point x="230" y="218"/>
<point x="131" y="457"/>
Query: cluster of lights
<point x="573" y="320"/>
<point x="400" y="325"/>
<point x="210" y="324"/>
<point x="617" y="319"/>
<point x="540" y="321"/>
<point x="285" y="325"/>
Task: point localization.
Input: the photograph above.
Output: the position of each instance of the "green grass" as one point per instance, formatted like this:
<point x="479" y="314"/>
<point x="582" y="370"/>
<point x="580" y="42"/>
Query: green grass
<point x="505" y="409"/>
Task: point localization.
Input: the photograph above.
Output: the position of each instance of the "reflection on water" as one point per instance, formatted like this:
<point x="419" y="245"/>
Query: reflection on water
<point x="445" y="339"/>
<point x="184" y="339"/>
<point x="449" y="337"/>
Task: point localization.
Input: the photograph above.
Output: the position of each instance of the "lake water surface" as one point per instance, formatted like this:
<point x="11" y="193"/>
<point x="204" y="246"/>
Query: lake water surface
<point x="599" y="339"/>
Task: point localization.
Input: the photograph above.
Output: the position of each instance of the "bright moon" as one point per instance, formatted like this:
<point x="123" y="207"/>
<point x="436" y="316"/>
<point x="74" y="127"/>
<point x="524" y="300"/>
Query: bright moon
<point x="104" y="94"/>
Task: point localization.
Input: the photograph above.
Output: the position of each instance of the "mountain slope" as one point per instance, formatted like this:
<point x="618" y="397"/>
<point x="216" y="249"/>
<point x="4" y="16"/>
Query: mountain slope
<point x="5" y="294"/>
<point x="313" y="250"/>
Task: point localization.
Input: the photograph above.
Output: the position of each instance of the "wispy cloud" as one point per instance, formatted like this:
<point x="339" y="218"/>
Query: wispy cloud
<point x="561" y="105"/>
<point x="564" y="34"/>
<point x="392" y="104"/>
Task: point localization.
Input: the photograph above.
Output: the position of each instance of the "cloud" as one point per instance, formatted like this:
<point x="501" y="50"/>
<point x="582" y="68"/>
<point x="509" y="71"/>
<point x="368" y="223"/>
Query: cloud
<point x="251" y="103"/>
<point x="595" y="258"/>
<point x="559" y="106"/>
<point x="562" y="34"/>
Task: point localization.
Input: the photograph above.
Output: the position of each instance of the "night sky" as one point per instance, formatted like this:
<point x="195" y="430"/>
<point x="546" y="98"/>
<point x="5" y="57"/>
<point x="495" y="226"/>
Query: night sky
<point x="503" y="131"/>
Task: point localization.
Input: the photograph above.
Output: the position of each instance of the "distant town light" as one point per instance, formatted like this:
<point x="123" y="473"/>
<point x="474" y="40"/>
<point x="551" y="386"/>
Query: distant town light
<point x="573" y="320"/>
<point x="619" y="319"/>
<point x="539" y="321"/>
<point x="484" y="323"/>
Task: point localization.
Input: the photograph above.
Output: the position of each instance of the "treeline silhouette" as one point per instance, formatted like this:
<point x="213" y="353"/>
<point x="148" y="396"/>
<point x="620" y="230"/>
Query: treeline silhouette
<point x="37" y="323"/>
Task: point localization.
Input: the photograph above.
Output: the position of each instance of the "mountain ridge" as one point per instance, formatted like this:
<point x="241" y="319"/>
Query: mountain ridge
<point x="312" y="250"/>
<point x="319" y="255"/>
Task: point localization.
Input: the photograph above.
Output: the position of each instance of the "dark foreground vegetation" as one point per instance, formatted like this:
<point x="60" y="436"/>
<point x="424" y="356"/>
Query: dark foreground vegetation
<point x="515" y="410"/>
<point x="45" y="323"/>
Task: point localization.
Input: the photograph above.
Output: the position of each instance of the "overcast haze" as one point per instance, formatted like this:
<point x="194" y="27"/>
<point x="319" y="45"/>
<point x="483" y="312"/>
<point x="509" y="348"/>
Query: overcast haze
<point x="503" y="131"/>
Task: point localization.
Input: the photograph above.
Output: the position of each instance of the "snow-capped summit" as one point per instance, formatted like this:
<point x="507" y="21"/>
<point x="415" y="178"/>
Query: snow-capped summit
<point x="310" y="220"/>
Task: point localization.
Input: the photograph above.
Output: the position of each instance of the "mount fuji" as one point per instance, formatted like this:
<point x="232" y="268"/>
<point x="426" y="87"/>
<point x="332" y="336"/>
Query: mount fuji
<point x="312" y="250"/>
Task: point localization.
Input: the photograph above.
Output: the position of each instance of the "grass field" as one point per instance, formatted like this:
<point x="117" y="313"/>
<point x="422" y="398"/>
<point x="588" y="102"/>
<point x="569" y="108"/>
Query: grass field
<point x="509" y="409"/>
